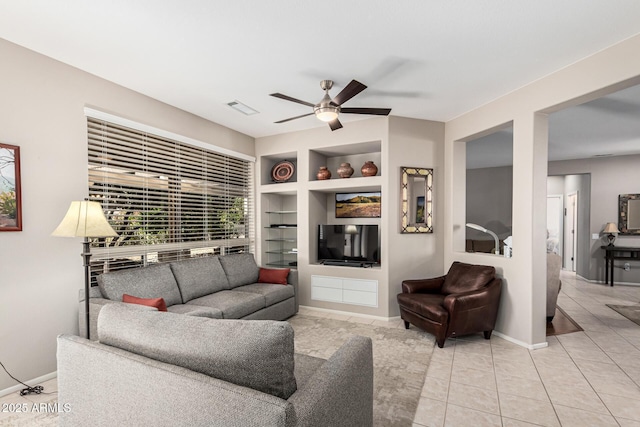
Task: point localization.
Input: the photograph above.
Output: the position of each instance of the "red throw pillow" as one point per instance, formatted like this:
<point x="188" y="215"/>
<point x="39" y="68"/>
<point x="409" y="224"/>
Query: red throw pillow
<point x="151" y="302"/>
<point x="274" y="275"/>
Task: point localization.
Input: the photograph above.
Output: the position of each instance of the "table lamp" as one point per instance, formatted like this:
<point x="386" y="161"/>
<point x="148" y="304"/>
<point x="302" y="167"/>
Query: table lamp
<point x="612" y="229"/>
<point x="491" y="233"/>
<point x="85" y="219"/>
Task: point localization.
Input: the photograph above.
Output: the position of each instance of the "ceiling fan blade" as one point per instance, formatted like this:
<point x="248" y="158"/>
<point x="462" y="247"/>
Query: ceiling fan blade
<point x="335" y="124"/>
<point x="374" y="111"/>
<point x="288" y="98"/>
<point x="293" y="118"/>
<point x="351" y="90"/>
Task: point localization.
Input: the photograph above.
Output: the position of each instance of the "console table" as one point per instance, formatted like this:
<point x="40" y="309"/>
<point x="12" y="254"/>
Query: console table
<point x="612" y="253"/>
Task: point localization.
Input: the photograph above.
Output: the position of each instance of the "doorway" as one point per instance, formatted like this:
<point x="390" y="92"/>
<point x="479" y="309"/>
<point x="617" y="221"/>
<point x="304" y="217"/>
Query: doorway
<point x="555" y="224"/>
<point x="570" y="233"/>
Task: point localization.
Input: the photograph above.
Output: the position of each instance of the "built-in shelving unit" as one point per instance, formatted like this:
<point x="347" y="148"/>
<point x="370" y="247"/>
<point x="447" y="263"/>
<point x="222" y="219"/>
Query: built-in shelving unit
<point x="281" y="241"/>
<point x="307" y="202"/>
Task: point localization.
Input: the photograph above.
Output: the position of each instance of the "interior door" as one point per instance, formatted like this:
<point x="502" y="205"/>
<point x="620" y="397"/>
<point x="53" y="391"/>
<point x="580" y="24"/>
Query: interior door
<point x="570" y="235"/>
<point x="555" y="226"/>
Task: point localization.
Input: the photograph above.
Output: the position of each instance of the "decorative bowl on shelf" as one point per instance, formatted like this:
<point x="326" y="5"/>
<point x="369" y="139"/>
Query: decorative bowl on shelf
<point x="323" y="173"/>
<point x="345" y="170"/>
<point x="282" y="171"/>
<point x="369" y="169"/>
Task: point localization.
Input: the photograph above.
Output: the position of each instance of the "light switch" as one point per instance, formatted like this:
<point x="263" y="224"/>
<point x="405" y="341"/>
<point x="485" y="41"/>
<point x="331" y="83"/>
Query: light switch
<point x="595" y="236"/>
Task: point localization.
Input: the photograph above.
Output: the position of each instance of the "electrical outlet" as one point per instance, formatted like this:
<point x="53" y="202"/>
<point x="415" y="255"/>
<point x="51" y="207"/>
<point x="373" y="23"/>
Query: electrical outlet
<point x="627" y="266"/>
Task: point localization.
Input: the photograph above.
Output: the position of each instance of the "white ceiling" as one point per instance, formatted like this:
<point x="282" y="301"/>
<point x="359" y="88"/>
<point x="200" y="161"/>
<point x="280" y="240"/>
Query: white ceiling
<point x="428" y="59"/>
<point x="608" y="126"/>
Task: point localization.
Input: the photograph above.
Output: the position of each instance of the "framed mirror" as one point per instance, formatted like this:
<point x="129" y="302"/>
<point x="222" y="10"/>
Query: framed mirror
<point x="629" y="213"/>
<point x="416" y="189"/>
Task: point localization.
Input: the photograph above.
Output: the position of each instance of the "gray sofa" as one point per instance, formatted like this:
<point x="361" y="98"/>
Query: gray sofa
<point x="164" y="369"/>
<point x="217" y="287"/>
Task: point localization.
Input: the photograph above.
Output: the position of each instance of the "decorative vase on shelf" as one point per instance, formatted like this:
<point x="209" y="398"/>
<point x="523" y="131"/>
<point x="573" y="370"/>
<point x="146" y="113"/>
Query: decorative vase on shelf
<point x="323" y="173"/>
<point x="345" y="170"/>
<point x="369" y="169"/>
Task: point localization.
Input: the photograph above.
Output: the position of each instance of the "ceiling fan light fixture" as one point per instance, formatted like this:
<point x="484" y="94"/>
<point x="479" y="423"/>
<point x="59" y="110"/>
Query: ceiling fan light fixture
<point x="326" y="114"/>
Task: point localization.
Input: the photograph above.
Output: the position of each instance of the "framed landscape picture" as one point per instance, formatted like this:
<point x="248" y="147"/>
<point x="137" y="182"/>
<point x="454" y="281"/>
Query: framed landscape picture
<point x="358" y="205"/>
<point x="419" y="209"/>
<point x="10" y="201"/>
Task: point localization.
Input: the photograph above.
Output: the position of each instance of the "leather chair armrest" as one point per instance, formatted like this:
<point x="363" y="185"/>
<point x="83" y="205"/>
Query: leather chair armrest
<point x="426" y="286"/>
<point x="465" y="301"/>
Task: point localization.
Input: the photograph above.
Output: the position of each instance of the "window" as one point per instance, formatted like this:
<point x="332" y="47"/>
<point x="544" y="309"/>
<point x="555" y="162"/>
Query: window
<point x="166" y="199"/>
<point x="489" y="193"/>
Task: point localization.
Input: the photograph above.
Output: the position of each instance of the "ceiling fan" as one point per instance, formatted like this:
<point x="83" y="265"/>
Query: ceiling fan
<point x="328" y="109"/>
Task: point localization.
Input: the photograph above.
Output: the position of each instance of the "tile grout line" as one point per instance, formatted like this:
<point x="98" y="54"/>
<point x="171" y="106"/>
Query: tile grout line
<point x="584" y="376"/>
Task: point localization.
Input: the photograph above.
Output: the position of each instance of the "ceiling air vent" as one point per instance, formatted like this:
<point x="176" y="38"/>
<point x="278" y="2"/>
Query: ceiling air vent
<point x="244" y="109"/>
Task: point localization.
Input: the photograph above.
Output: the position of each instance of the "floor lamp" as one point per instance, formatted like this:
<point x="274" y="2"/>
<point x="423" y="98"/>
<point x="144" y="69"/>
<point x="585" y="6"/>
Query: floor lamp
<point x="85" y="219"/>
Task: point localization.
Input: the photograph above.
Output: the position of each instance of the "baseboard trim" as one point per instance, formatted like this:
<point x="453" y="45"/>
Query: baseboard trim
<point x="350" y="314"/>
<point x="32" y="383"/>
<point x="521" y="343"/>
<point x="603" y="283"/>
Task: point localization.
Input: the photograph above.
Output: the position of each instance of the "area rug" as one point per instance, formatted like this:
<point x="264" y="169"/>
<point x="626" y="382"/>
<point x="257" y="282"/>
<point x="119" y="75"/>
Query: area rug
<point x="400" y="361"/>
<point x="631" y="312"/>
<point x="562" y="323"/>
<point x="27" y="413"/>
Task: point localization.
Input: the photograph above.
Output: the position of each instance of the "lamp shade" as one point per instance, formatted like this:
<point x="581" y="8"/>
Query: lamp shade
<point x="476" y="227"/>
<point x="327" y="114"/>
<point x="611" y="227"/>
<point x="84" y="219"/>
<point x="351" y="229"/>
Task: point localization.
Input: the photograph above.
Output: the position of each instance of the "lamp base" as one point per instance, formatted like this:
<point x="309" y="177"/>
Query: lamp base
<point x="611" y="238"/>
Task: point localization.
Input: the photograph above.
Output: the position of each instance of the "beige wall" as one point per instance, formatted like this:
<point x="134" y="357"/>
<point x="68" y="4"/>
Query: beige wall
<point x="417" y="143"/>
<point x="610" y="177"/>
<point x="404" y="142"/>
<point x="41" y="110"/>
<point x="522" y="311"/>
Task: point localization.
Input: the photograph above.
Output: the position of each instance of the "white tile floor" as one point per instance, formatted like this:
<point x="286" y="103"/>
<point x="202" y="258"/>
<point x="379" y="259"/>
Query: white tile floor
<point x="583" y="379"/>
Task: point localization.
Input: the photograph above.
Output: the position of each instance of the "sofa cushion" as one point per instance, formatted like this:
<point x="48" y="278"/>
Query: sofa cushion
<point x="199" y="276"/>
<point x="241" y="269"/>
<point x="467" y="277"/>
<point x="196" y="310"/>
<point x="305" y="367"/>
<point x="150" y="302"/>
<point x="249" y="353"/>
<point x="271" y="293"/>
<point x="155" y="281"/>
<point x="273" y="275"/>
<point x="232" y="304"/>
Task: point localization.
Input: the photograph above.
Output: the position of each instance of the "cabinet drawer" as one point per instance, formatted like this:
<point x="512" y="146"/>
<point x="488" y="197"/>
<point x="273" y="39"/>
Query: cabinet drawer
<point x="360" y="298"/>
<point x="326" y="282"/>
<point x="326" y="294"/>
<point x="360" y="285"/>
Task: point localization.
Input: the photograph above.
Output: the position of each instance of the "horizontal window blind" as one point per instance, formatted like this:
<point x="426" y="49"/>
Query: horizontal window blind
<point x="167" y="200"/>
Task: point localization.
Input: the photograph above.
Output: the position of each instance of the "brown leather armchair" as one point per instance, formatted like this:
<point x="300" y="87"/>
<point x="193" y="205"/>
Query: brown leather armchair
<point x="462" y="302"/>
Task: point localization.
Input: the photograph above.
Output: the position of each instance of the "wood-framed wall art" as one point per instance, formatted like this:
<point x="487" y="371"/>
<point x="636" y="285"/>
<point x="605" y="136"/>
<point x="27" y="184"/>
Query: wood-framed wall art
<point x="629" y="214"/>
<point x="358" y="205"/>
<point x="10" y="188"/>
<point x="416" y="189"/>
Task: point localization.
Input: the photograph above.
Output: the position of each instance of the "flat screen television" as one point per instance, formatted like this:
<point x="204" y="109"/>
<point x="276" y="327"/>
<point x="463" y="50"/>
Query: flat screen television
<point x="352" y="245"/>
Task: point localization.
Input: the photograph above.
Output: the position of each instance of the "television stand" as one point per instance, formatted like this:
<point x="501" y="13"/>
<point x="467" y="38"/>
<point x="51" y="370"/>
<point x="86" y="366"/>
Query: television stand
<point x="347" y="263"/>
